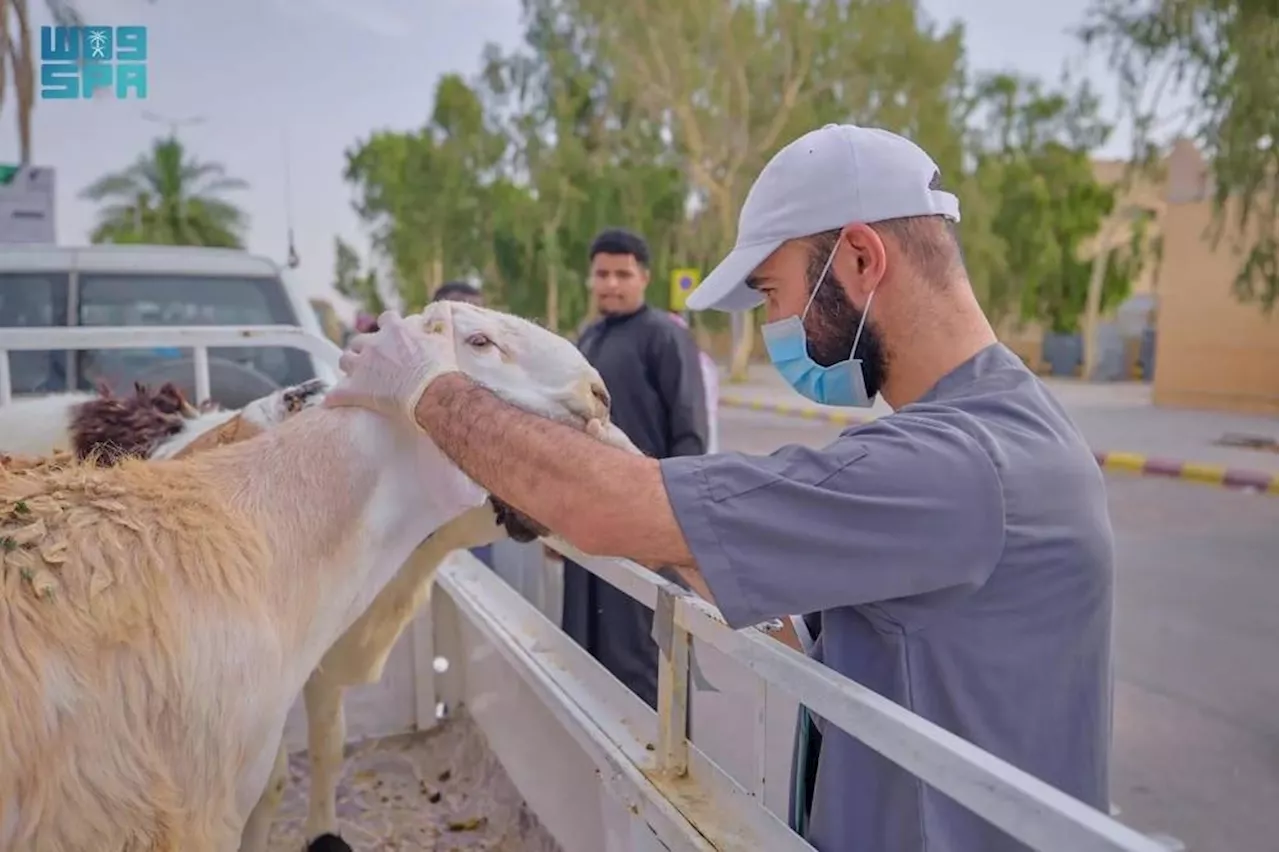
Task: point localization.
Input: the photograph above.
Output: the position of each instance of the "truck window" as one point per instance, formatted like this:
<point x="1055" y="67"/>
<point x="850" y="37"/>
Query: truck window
<point x="147" y="299"/>
<point x="35" y="299"/>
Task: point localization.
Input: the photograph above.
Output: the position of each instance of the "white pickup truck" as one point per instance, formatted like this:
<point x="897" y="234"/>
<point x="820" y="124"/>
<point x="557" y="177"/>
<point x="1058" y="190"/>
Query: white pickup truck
<point x="150" y="286"/>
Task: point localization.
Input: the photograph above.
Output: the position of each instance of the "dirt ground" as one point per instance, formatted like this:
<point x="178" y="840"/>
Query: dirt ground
<point x="442" y="791"/>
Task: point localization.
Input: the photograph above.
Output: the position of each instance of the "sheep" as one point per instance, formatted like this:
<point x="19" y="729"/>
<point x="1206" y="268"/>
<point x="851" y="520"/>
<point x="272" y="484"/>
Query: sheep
<point x="159" y="618"/>
<point x="37" y="426"/>
<point x="158" y="425"/>
<point x="163" y="425"/>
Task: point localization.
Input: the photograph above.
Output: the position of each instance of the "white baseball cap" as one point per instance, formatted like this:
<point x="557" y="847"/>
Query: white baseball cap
<point x="824" y="180"/>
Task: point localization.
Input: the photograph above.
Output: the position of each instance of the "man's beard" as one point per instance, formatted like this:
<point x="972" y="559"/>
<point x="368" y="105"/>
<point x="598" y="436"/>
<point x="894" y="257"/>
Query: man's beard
<point x="830" y="329"/>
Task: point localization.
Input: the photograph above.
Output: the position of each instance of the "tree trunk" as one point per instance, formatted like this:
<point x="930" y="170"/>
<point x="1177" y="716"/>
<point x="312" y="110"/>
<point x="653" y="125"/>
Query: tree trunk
<point x="1093" y="299"/>
<point x="4" y="51"/>
<point x="23" y="79"/>
<point x="551" y="241"/>
<point x="437" y="269"/>
<point x="1112" y="228"/>
<point x="552" y="250"/>
<point x="746" y="341"/>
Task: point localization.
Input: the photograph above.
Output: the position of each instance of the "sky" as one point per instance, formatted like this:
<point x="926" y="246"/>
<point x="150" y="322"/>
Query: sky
<point x="254" y="84"/>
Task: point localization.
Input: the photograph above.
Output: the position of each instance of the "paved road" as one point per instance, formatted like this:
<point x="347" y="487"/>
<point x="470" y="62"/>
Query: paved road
<point x="1196" y="650"/>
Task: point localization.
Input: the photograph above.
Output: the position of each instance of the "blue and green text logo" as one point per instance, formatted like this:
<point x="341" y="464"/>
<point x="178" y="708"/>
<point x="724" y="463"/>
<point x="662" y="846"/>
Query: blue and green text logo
<point x="79" y="62"/>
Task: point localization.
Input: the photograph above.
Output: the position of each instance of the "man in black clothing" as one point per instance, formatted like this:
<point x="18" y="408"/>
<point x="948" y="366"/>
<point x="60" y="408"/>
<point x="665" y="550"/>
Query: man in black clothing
<point x="650" y="365"/>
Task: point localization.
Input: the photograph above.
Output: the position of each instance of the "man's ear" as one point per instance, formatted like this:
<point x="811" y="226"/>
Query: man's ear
<point x="859" y="262"/>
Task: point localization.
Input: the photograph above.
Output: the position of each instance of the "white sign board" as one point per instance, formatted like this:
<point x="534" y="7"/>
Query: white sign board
<point x="26" y="205"/>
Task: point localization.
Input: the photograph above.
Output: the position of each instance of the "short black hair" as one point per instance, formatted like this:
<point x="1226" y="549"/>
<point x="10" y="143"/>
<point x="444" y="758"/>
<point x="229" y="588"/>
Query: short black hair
<point x="619" y="241"/>
<point x="456" y="288"/>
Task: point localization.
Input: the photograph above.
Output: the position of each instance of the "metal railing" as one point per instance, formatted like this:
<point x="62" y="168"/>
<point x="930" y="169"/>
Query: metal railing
<point x="199" y="339"/>
<point x="1020" y="804"/>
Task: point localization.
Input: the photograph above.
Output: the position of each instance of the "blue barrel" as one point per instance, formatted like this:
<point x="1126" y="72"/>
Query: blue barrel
<point x="1063" y="353"/>
<point x="1147" y="354"/>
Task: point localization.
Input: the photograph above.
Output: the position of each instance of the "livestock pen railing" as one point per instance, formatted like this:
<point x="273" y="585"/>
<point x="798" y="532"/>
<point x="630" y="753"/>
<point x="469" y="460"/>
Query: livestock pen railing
<point x="598" y="767"/>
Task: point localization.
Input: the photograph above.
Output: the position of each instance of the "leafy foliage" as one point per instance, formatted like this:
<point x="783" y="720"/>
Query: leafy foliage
<point x="167" y="197"/>
<point x="348" y="279"/>
<point x="1223" y="55"/>
<point x="733" y="82"/>
<point x="656" y="115"/>
<point x="1032" y="153"/>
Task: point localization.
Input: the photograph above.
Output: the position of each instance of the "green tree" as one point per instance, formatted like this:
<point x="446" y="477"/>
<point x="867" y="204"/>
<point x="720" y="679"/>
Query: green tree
<point x="657" y="115"/>
<point x="168" y="197"/>
<point x="424" y="194"/>
<point x="359" y="286"/>
<point x="585" y="156"/>
<point x="385" y="171"/>
<point x="1223" y="55"/>
<point x="1032" y="153"/>
<point x="732" y="82"/>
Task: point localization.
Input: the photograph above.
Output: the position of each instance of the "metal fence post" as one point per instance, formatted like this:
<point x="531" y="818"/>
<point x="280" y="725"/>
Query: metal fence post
<point x="673" y="686"/>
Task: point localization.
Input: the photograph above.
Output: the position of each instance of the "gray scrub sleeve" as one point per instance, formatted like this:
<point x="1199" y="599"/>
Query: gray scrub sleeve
<point x="896" y="508"/>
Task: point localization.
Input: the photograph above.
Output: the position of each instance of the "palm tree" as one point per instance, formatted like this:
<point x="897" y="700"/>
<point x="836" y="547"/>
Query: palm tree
<point x="167" y="197"/>
<point x="17" y="55"/>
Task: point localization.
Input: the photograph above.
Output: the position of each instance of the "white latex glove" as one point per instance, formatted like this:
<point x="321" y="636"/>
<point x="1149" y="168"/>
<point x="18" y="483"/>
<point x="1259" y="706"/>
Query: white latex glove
<point x="388" y="370"/>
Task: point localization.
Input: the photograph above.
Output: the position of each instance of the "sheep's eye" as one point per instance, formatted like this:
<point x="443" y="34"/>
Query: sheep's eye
<point x="479" y="341"/>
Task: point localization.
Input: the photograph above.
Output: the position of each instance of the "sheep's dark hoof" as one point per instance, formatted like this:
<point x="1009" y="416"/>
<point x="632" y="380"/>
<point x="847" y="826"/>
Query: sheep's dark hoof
<point x="329" y="843"/>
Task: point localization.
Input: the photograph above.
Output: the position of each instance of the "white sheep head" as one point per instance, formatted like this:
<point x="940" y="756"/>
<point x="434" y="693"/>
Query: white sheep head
<point x="533" y="369"/>
<point x="525" y="364"/>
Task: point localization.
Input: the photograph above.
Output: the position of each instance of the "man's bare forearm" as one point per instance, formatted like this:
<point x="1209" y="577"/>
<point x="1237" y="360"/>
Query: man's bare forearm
<point x="599" y="498"/>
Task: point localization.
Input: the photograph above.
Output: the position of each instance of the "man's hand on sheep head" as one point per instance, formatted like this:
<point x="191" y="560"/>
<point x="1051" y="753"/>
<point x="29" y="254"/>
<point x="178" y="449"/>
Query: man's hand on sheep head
<point x="388" y="370"/>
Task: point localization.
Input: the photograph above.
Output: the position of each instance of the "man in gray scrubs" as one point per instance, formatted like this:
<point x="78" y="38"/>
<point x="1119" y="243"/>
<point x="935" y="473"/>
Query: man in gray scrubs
<point x="959" y="549"/>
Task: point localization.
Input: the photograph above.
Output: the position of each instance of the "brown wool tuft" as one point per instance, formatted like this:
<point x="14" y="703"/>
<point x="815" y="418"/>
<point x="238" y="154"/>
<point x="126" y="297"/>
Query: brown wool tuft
<point x="112" y="428"/>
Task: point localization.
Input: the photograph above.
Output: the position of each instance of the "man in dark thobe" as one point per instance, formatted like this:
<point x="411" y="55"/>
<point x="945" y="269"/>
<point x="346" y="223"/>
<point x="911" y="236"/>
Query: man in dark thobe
<point x="650" y="366"/>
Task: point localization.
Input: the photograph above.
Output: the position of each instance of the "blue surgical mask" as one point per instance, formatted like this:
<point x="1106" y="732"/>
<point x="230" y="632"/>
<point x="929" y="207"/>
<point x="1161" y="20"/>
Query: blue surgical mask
<point x="841" y="383"/>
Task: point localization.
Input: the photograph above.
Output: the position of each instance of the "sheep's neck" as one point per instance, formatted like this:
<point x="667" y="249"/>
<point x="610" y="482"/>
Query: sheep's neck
<point x="343" y="498"/>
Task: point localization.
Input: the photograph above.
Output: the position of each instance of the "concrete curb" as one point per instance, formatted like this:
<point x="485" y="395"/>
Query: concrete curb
<point x="1205" y="474"/>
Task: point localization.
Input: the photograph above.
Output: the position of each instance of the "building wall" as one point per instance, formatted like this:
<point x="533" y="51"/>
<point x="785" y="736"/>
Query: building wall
<point x="1212" y="352"/>
<point x="27" y="205"/>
